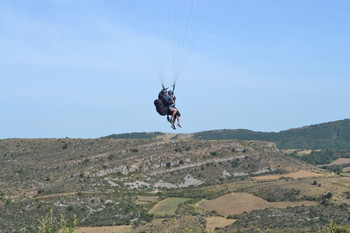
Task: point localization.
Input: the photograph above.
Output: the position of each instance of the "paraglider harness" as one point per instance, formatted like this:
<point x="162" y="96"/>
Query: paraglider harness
<point x="161" y="109"/>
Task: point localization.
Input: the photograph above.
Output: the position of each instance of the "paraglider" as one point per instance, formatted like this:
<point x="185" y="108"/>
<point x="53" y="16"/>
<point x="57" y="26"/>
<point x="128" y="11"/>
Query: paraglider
<point x="165" y="105"/>
<point x="168" y="30"/>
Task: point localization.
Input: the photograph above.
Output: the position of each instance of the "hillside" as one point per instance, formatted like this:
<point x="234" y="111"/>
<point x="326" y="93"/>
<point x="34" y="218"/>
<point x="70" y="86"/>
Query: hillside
<point x="92" y="178"/>
<point x="331" y="135"/>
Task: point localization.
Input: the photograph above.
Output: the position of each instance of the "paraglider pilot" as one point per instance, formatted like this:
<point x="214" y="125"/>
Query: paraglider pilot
<point x="165" y="105"/>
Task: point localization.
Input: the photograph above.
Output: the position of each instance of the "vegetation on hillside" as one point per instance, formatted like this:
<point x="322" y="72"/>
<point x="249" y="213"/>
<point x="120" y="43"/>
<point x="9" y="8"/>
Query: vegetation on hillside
<point x="323" y="156"/>
<point x="98" y="182"/>
<point x="291" y="219"/>
<point x="332" y="135"/>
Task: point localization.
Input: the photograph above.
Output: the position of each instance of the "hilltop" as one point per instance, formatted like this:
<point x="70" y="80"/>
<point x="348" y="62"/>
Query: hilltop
<point x="91" y="178"/>
<point x="187" y="182"/>
<point x="331" y="135"/>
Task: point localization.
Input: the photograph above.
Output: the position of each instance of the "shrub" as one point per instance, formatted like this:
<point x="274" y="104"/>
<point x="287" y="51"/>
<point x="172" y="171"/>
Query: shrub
<point x="214" y="153"/>
<point x="21" y="171"/>
<point x="86" y="161"/>
<point x="334" y="228"/>
<point x="329" y="195"/>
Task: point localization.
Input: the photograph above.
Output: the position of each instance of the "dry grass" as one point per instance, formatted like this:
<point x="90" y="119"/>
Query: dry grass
<point x="180" y="224"/>
<point x="144" y="200"/>
<point x="294" y="175"/>
<point x="237" y="203"/>
<point x="148" y="198"/>
<point x="299" y="152"/>
<point x="110" y="229"/>
<point x="167" y="206"/>
<point x="213" y="222"/>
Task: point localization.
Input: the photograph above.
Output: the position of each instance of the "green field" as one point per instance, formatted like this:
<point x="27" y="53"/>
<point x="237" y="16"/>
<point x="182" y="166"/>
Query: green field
<point x="167" y="206"/>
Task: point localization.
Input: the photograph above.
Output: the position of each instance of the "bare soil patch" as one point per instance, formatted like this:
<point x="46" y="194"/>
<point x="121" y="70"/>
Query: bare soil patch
<point x="213" y="222"/>
<point x="237" y="203"/>
<point x="340" y="161"/>
<point x="295" y="175"/>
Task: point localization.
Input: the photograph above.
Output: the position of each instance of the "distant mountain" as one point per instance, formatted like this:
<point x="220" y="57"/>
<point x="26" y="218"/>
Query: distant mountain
<point x="331" y="135"/>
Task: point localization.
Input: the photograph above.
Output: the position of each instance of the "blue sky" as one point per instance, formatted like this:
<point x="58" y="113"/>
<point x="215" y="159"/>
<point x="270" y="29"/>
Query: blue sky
<point x="75" y="68"/>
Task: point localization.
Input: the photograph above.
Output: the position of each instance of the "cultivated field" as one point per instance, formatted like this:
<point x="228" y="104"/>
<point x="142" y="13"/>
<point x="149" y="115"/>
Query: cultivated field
<point x="213" y="222"/>
<point x="238" y="203"/>
<point x="340" y="161"/>
<point x="167" y="206"/>
<point x="294" y="175"/>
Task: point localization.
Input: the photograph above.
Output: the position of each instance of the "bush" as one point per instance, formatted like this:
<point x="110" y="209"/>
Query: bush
<point x="334" y="228"/>
<point x="86" y="161"/>
<point x="21" y="171"/>
<point x="214" y="153"/>
<point x="329" y="195"/>
<point x="168" y="164"/>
